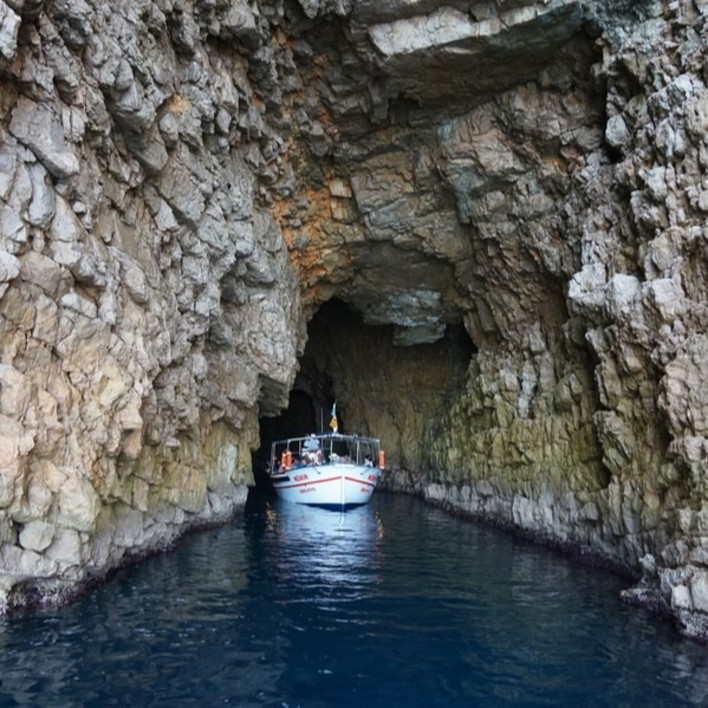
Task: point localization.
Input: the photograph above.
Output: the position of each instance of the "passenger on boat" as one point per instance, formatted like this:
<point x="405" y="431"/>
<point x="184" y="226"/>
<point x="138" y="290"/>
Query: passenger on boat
<point x="312" y="454"/>
<point x="312" y="443"/>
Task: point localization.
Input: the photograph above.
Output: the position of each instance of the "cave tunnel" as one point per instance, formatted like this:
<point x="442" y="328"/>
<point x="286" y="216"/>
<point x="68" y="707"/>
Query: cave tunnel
<point x="397" y="393"/>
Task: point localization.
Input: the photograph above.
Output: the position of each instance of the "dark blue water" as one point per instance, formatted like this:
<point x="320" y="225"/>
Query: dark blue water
<point x="395" y="604"/>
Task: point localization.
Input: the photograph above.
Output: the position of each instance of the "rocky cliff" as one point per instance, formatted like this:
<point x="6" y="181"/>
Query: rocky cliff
<point x="505" y="197"/>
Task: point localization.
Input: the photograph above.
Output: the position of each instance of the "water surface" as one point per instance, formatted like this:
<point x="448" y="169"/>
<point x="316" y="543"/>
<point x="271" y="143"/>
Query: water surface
<point x="393" y="604"/>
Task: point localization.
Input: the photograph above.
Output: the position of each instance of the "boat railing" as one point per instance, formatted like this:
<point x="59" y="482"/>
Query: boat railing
<point x="323" y="449"/>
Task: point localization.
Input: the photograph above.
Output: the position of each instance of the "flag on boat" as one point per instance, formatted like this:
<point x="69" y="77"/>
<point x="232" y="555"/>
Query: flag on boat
<point x="333" y="420"/>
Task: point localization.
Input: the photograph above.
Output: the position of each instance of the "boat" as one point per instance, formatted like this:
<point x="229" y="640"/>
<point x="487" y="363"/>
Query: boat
<point x="330" y="470"/>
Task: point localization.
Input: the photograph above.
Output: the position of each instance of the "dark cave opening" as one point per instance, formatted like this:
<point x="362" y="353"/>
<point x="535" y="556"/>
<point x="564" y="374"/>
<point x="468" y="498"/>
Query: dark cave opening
<point x="311" y="398"/>
<point x="299" y="419"/>
<point x="359" y="366"/>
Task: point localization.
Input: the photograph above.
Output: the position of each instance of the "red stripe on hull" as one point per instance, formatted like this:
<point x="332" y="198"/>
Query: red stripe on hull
<point x="360" y="481"/>
<point x="306" y="483"/>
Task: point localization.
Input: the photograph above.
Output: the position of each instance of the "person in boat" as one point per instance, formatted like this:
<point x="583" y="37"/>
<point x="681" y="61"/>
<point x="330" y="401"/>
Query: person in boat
<point x="311" y="451"/>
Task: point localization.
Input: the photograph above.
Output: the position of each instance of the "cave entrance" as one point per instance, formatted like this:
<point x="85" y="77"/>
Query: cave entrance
<point x="311" y="398"/>
<point x="382" y="389"/>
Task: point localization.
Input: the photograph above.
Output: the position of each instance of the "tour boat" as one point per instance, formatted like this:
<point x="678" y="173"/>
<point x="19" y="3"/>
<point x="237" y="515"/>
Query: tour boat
<point x="330" y="470"/>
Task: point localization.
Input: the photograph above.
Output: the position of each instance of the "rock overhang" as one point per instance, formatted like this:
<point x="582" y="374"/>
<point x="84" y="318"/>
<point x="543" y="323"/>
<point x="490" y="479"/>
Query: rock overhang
<point x="418" y="70"/>
<point x="447" y="35"/>
<point x="431" y="51"/>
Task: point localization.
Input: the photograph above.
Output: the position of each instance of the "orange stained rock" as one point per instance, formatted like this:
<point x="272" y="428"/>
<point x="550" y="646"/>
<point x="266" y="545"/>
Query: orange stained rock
<point x="178" y="103"/>
<point x="325" y="116"/>
<point x="307" y="257"/>
<point x="282" y="39"/>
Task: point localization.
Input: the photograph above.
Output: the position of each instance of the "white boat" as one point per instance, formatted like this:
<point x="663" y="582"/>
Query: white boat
<point x="329" y="470"/>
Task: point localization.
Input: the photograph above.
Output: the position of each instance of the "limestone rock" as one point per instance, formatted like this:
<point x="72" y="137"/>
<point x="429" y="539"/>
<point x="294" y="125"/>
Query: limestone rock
<point x="9" y="29"/>
<point x="616" y="133"/>
<point x="40" y="130"/>
<point x="9" y="267"/>
<point x="36" y="535"/>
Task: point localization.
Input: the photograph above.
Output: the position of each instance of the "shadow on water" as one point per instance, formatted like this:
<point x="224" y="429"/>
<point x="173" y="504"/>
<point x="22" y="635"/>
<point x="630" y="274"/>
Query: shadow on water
<point x="395" y="603"/>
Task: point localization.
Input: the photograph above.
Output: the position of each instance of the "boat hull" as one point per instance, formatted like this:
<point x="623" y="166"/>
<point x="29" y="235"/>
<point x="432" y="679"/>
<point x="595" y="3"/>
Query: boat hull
<point x="338" y="486"/>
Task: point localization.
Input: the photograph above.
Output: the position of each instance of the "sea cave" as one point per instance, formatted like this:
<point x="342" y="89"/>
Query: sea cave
<point x="477" y="226"/>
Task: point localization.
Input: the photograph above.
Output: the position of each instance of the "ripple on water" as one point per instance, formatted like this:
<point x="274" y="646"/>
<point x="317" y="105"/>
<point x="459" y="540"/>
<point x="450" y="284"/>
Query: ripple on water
<point x="397" y="604"/>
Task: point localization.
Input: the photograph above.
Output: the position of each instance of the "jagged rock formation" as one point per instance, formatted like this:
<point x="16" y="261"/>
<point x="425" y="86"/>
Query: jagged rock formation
<point x="508" y="193"/>
<point x="149" y="309"/>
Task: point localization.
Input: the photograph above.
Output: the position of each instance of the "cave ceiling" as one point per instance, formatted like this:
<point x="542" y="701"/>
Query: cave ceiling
<point x="434" y="149"/>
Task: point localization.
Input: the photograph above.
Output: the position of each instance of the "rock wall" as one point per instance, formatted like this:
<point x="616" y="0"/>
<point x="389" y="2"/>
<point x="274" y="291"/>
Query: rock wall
<point x="148" y="308"/>
<point x="185" y="183"/>
<point x="594" y="421"/>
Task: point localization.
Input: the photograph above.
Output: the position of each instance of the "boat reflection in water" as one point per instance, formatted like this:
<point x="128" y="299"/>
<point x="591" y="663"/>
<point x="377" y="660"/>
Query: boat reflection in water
<point x="326" y="555"/>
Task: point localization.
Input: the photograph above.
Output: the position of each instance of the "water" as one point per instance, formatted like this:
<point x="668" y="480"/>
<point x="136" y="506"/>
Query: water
<point x="395" y="604"/>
